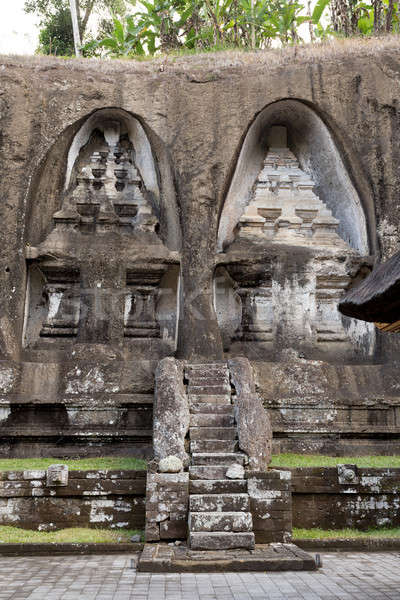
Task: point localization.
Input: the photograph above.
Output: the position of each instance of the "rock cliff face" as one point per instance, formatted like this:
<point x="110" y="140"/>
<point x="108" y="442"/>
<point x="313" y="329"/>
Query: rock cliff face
<point x="206" y="122"/>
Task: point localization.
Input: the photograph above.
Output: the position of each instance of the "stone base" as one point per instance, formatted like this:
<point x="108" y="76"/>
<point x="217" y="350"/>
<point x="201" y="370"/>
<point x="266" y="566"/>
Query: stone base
<point x="162" y="558"/>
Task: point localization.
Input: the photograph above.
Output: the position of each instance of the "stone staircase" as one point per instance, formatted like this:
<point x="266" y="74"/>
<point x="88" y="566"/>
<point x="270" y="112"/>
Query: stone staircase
<point x="219" y="506"/>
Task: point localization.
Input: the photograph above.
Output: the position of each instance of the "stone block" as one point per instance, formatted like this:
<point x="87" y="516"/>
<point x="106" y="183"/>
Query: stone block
<point x="220" y="503"/>
<point x="221" y="540"/>
<point x="57" y="475"/>
<point x="222" y="486"/>
<point x="173" y="529"/>
<point x="220" y="521"/>
<point x="34" y="474"/>
<point x="152" y="532"/>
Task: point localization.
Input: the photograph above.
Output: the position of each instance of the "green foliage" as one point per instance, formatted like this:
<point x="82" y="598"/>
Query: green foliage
<point x="56" y="37"/>
<point x="315" y="460"/>
<point x="356" y="17"/>
<point x="83" y="535"/>
<point x="170" y="25"/>
<point x="55" y="21"/>
<point x="312" y="534"/>
<point x="85" y="464"/>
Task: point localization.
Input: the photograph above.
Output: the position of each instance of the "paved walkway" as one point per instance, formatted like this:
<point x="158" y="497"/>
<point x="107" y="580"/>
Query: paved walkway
<point x="345" y="576"/>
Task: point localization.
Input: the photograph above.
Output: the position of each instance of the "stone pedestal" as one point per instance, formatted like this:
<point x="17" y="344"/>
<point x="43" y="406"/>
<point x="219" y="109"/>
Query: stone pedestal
<point x="167" y="498"/>
<point x="271" y="505"/>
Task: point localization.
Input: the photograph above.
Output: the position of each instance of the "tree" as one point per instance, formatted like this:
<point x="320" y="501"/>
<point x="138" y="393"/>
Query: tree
<point x="56" y="37"/>
<point x="55" y="28"/>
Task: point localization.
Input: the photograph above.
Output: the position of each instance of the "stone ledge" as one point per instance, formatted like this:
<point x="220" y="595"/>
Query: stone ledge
<point x="351" y="544"/>
<point x="49" y="549"/>
<point x="162" y="558"/>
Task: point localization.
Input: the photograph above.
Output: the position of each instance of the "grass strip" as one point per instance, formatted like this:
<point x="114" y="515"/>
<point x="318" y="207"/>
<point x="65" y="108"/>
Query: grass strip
<point x="316" y="533"/>
<point x="16" y="535"/>
<point x="316" y="460"/>
<point x="85" y="464"/>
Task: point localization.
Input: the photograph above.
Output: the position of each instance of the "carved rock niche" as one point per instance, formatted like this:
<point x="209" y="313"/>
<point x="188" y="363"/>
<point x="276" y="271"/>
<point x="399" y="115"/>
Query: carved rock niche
<point x="96" y="275"/>
<point x="289" y="266"/>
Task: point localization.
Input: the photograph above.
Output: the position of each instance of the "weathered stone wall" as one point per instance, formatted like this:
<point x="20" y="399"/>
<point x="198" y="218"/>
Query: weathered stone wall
<point x="367" y="498"/>
<point x="195" y="113"/>
<point x="76" y="408"/>
<point x="338" y="410"/>
<point x="167" y="501"/>
<point x="105" y="499"/>
<point x="320" y="497"/>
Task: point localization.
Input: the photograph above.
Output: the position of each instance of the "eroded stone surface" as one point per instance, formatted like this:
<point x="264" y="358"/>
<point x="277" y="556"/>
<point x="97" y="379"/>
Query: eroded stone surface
<point x="254" y="427"/>
<point x="235" y="472"/>
<point x="170" y="464"/>
<point x="171" y="411"/>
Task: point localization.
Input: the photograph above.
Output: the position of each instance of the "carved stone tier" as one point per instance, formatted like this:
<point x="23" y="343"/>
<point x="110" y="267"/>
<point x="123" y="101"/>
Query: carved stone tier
<point x="284" y="207"/>
<point x="329" y="324"/>
<point x="140" y="307"/>
<point x="62" y="296"/>
<point x="109" y="194"/>
<point x="255" y="292"/>
<point x="257" y="324"/>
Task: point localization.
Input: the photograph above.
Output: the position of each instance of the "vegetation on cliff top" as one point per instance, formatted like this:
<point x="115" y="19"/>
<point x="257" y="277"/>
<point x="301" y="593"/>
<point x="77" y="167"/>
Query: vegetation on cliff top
<point x="136" y="28"/>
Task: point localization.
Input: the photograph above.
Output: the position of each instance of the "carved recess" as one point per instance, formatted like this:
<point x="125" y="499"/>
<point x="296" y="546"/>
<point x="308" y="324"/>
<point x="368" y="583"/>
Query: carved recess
<point x="62" y="295"/>
<point x="140" y="307"/>
<point x="289" y="264"/>
<point x="97" y="273"/>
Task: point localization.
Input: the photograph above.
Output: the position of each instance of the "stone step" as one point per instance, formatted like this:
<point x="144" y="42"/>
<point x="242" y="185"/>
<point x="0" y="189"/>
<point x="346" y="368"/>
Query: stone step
<point x="204" y="371"/>
<point x="207" y="472"/>
<point x="218" y="486"/>
<point x="202" y="366"/>
<point x="212" y="390"/>
<point x="219" y="502"/>
<point x="211" y="420"/>
<point x="212" y="433"/>
<point x="209" y="407"/>
<point x="217" y="521"/>
<point x="217" y="458"/>
<point x="213" y="445"/>
<point x="210" y="382"/>
<point x="210" y="398"/>
<point x="199" y="540"/>
<point x="204" y="376"/>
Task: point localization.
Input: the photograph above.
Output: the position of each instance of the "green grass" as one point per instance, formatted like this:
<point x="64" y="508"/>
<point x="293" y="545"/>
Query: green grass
<point x="311" y="534"/>
<point x="15" y="535"/>
<point x="119" y="463"/>
<point x="85" y="464"/>
<point x="315" y="460"/>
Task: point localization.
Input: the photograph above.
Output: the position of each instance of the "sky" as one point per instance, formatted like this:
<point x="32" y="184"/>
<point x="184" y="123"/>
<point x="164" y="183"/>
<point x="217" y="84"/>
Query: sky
<point x="18" y="31"/>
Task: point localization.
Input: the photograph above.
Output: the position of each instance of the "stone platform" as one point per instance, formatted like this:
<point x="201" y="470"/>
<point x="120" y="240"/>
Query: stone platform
<point x="163" y="558"/>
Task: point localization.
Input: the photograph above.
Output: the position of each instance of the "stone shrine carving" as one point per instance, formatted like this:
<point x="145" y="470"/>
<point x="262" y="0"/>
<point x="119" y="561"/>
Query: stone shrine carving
<point x="298" y="300"/>
<point x="105" y="210"/>
<point x="284" y="207"/>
